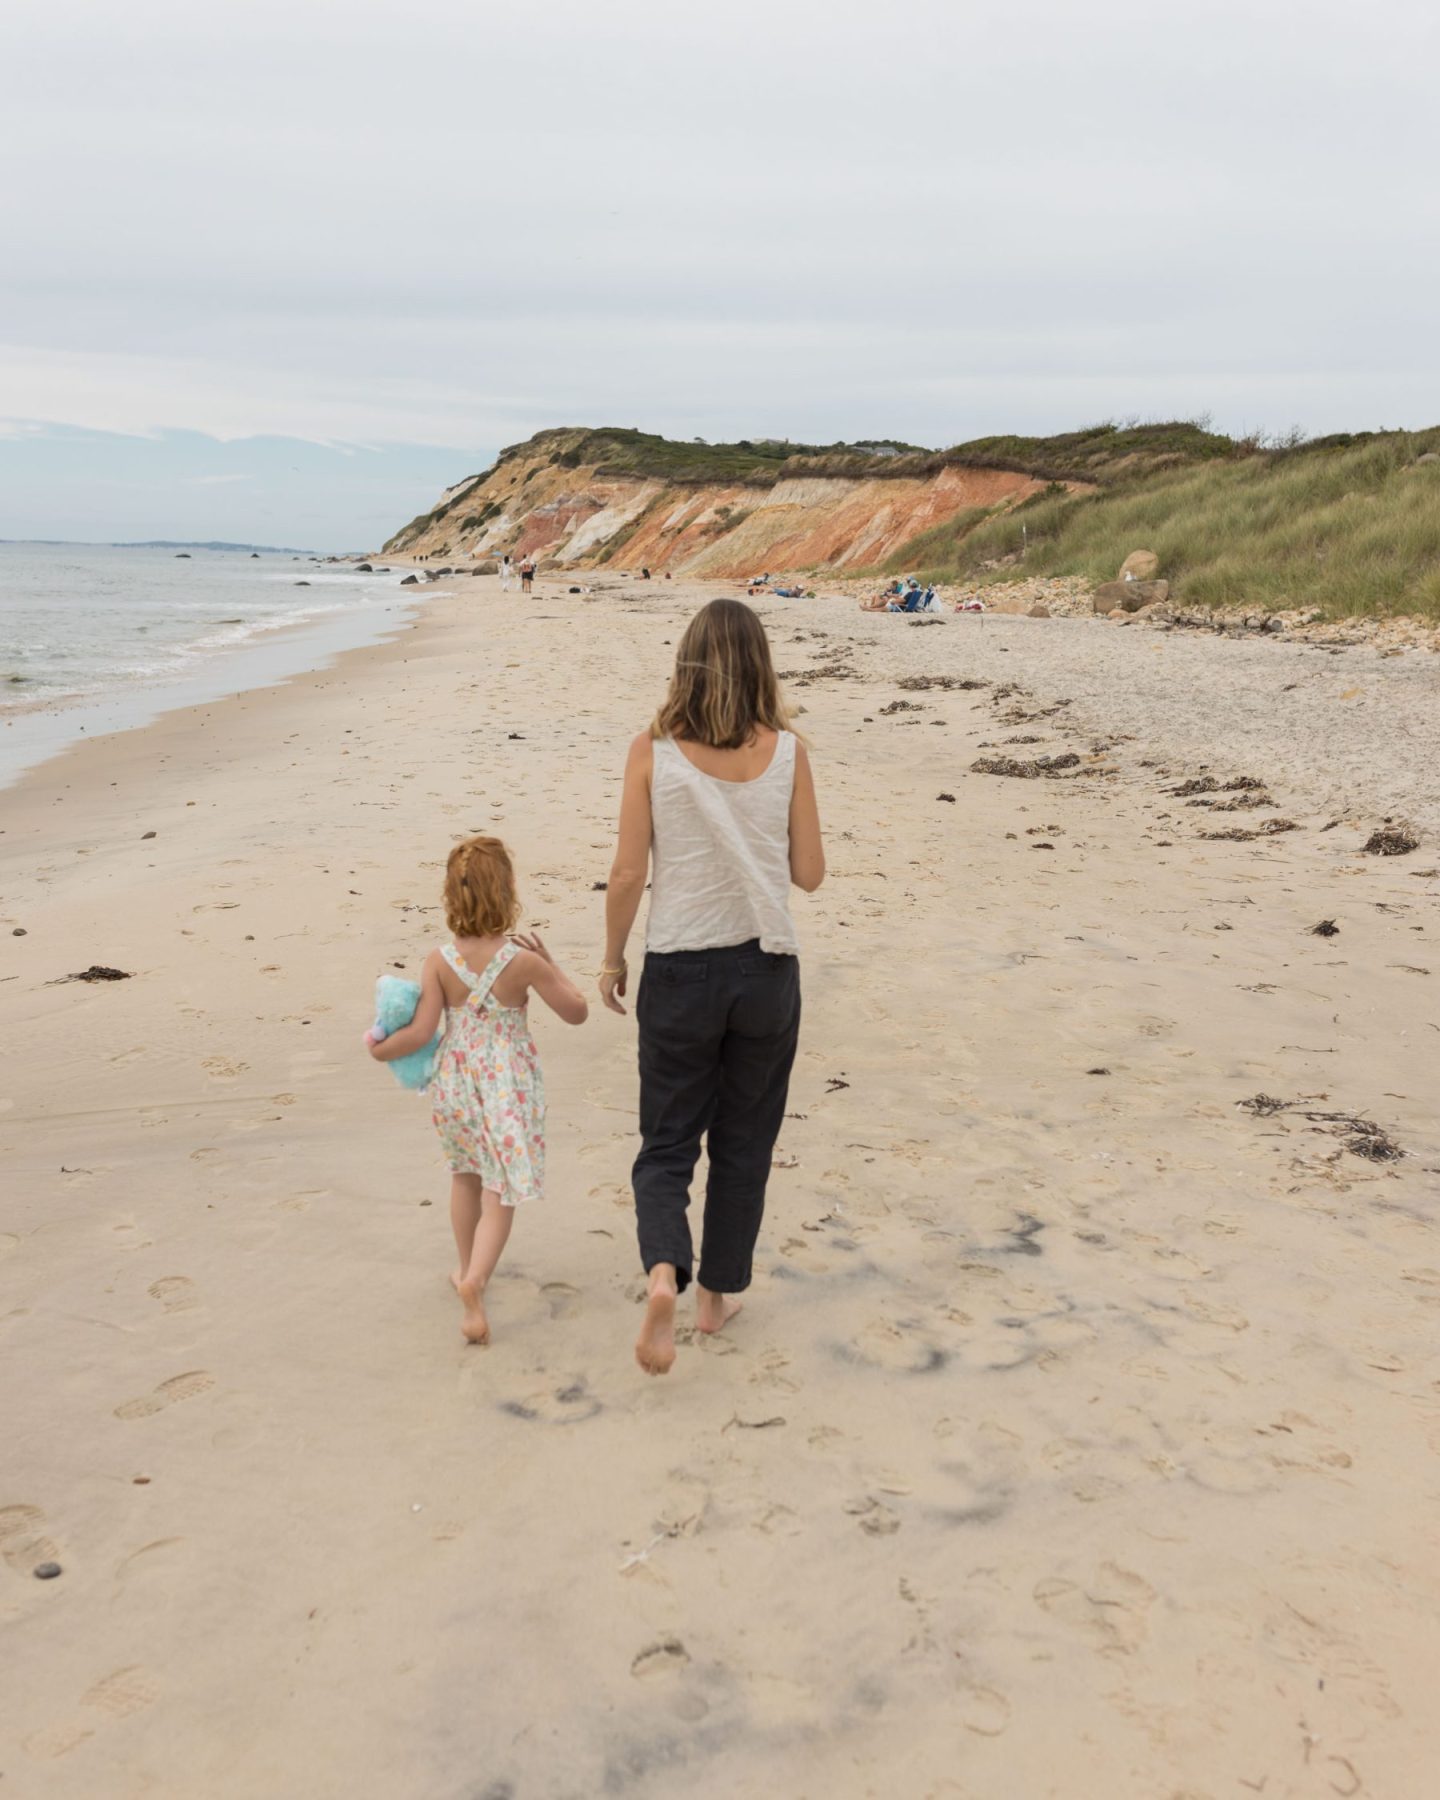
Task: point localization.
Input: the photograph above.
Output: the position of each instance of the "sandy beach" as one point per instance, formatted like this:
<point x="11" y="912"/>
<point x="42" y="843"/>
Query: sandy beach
<point x="1080" y="1437"/>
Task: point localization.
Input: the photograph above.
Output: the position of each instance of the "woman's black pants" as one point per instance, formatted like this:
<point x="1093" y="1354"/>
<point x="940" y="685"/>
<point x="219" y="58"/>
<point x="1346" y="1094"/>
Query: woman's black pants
<point x="718" y="1030"/>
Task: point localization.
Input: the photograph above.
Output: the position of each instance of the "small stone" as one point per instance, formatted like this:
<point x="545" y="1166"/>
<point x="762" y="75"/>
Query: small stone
<point x="146" y="834"/>
<point x="19" y="931"/>
<point x="46" y="1571"/>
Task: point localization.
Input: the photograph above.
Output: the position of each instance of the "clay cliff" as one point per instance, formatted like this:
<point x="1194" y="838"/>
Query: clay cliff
<point x="582" y="498"/>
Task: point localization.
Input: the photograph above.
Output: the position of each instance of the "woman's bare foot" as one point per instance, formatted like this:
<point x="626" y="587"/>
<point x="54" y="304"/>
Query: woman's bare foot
<point x="475" y="1326"/>
<point x="655" y="1346"/>
<point x="714" y="1311"/>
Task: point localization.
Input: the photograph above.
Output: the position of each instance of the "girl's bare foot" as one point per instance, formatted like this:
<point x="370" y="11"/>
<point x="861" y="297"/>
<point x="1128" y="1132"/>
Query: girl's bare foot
<point x="714" y="1311"/>
<point x="655" y="1346"/>
<point x="475" y="1326"/>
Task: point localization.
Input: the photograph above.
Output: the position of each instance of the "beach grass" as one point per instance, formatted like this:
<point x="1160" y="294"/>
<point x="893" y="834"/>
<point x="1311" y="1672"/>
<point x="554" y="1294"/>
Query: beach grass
<point x="1346" y="527"/>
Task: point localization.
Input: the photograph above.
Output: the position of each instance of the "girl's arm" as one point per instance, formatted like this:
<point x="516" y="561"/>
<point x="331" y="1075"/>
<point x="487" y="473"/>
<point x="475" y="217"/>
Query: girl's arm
<point x="543" y="976"/>
<point x="418" y="1033"/>
<point x="629" y="869"/>
<point x="807" y="848"/>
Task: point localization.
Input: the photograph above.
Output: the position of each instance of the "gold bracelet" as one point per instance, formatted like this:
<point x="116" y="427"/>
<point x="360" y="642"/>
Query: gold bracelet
<point x="624" y="969"/>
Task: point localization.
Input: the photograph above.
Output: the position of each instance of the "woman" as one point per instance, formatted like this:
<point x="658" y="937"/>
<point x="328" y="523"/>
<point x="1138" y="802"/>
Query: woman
<point x="718" y="792"/>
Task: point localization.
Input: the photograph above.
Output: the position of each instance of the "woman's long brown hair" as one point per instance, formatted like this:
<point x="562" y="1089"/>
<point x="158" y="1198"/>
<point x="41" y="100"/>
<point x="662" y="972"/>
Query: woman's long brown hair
<point x="724" y="686"/>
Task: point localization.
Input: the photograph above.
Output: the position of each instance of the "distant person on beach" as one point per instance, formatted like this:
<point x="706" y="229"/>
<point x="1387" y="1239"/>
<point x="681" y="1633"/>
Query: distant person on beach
<point x="487" y="1093"/>
<point x="882" y="600"/>
<point x="507" y="572"/>
<point x="527" y="574"/>
<point x="719" y="805"/>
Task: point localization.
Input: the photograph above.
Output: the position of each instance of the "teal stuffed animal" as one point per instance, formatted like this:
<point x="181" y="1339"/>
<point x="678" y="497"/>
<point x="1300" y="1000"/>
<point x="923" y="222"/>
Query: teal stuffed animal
<point x="396" y="1001"/>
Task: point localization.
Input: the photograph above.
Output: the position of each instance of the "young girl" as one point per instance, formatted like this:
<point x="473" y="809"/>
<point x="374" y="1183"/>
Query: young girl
<point x="487" y="1090"/>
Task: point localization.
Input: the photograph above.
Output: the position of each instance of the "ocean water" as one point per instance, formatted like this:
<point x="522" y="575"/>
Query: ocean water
<point x="97" y="638"/>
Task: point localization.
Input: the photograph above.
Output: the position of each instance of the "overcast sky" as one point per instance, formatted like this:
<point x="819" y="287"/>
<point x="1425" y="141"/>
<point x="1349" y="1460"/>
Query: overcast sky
<point x="430" y="229"/>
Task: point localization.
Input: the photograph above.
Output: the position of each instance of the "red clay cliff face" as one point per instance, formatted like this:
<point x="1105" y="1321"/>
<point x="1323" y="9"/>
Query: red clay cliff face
<point x="584" y="519"/>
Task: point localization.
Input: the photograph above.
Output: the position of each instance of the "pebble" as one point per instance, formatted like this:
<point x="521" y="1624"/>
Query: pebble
<point x="19" y="931"/>
<point x="46" y="1571"/>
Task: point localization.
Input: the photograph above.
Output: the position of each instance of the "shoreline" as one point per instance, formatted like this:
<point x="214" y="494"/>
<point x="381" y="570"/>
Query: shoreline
<point x="1052" y="1338"/>
<point x="32" y="734"/>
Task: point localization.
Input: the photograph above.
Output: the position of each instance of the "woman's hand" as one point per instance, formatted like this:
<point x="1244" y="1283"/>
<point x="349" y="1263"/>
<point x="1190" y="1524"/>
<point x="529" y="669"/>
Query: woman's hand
<point x="531" y="940"/>
<point x="612" y="986"/>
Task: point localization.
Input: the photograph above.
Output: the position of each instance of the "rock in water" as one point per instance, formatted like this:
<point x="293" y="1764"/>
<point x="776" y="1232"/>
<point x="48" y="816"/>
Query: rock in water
<point x="1129" y="596"/>
<point x="1140" y="565"/>
<point x="410" y="581"/>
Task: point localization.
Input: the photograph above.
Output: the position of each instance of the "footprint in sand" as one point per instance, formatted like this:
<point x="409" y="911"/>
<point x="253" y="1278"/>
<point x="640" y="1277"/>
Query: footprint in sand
<point x="126" y="1566"/>
<point x="116" y="1696"/>
<point x="983" y="1710"/>
<point x="873" y="1516"/>
<point x="222" y="1069"/>
<point x="897" y="1349"/>
<point x="177" y="1388"/>
<point x="614" y="1192"/>
<point x="665" y="1657"/>
<point x="127" y="1691"/>
<point x="23" y="1542"/>
<point x="1110" y="1608"/>
<point x="769" y="1371"/>
<point x="176" y="1293"/>
<point x="561" y="1298"/>
<point x="571" y="1404"/>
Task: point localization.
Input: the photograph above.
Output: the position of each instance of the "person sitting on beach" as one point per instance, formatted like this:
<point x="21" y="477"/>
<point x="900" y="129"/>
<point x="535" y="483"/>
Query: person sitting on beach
<point x="487" y="1093"/>
<point x="882" y="600"/>
<point x="719" y="803"/>
<point x="914" y="601"/>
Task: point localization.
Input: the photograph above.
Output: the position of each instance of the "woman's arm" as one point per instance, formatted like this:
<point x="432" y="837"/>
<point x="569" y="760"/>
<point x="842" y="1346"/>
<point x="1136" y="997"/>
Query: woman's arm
<point x="807" y="848"/>
<point x="629" y="869"/>
<point x="418" y="1033"/>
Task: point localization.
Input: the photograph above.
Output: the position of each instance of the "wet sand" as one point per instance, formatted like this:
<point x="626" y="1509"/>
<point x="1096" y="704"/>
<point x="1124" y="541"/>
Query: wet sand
<point x="1080" y="1432"/>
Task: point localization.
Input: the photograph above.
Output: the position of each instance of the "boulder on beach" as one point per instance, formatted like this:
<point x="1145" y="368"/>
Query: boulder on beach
<point x="1129" y="596"/>
<point x="486" y="568"/>
<point x="1140" y="565"/>
<point x="1039" y="611"/>
<point x="364" y="569"/>
<point x="410" y="581"/>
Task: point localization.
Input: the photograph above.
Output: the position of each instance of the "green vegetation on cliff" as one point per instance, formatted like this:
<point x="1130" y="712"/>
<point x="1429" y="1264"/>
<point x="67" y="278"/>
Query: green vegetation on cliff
<point x="1347" y="525"/>
<point x="1099" y="453"/>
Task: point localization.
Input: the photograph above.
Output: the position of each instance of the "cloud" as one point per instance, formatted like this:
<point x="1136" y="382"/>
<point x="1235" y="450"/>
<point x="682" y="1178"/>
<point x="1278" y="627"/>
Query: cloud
<point x="452" y="225"/>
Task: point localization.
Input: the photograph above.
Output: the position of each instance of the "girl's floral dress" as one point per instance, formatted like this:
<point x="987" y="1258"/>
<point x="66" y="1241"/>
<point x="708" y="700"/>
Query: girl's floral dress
<point x="487" y="1092"/>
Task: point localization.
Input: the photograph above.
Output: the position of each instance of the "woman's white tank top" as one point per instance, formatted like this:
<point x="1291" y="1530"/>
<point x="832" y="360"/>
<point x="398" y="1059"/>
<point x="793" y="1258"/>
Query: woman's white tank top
<point x="720" y="855"/>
